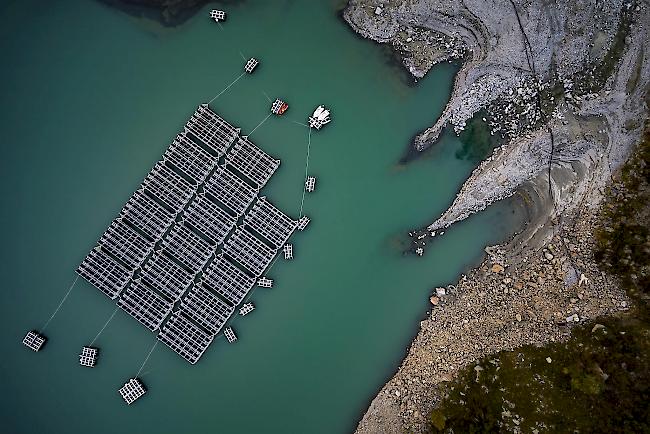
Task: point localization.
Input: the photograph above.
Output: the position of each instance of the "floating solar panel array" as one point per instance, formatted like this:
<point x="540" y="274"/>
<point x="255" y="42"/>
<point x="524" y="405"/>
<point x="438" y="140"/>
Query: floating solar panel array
<point x="252" y="162"/>
<point x="174" y="258"/>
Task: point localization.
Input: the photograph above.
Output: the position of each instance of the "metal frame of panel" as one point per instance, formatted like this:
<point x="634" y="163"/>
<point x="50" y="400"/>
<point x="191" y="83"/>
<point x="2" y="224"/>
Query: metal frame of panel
<point x="252" y="162"/>
<point x="211" y="129"/>
<point x="145" y="305"/>
<point x="249" y="251"/>
<point x="270" y="222"/>
<point x="147" y="215"/>
<point x="187" y="247"/>
<point x="187" y="339"/>
<point x="230" y="190"/>
<point x="168" y="186"/>
<point x="224" y="278"/>
<point x="104" y="273"/>
<point x="190" y="158"/>
<point x="163" y="274"/>
<point x="125" y="244"/>
<point x="208" y="310"/>
<point x="209" y="219"/>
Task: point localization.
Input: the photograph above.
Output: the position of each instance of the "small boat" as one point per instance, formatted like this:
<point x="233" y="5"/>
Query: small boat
<point x="279" y="107"/>
<point x="319" y="118"/>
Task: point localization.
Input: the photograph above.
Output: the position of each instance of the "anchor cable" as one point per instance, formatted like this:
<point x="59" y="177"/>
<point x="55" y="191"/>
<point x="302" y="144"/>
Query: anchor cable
<point x="227" y="87"/>
<point x="61" y="303"/>
<point x="260" y="124"/>
<point x="302" y="201"/>
<point x="105" y="325"/>
<point x="147" y="358"/>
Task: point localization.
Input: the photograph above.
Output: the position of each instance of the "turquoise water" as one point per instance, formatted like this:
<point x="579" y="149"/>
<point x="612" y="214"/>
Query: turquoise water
<point x="91" y="98"/>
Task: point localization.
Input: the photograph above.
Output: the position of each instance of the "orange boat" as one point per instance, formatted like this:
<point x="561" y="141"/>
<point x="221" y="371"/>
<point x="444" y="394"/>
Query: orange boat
<point x="279" y="107"/>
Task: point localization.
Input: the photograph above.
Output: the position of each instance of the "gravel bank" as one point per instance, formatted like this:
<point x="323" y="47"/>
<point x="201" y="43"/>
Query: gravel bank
<point x="499" y="306"/>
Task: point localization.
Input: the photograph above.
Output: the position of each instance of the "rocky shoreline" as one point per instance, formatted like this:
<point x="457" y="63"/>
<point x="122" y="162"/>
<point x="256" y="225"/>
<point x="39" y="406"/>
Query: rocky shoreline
<point x="501" y="305"/>
<point x="566" y="86"/>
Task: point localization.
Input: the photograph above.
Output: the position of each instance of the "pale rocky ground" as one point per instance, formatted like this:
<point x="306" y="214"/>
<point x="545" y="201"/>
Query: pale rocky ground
<point x="530" y="290"/>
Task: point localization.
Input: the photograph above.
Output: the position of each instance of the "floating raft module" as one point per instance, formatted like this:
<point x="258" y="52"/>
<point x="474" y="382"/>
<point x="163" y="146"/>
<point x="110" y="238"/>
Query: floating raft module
<point x="132" y="390"/>
<point x="246" y="309"/>
<point x="310" y="184"/>
<point x="302" y="223"/>
<point x="229" y="333"/>
<point x="88" y="357"/>
<point x="34" y="341"/>
<point x="251" y="64"/>
<point x="288" y="251"/>
<point x="217" y="15"/>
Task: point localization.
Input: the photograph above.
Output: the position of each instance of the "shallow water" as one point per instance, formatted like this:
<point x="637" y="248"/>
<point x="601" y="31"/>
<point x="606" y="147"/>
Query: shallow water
<point x="91" y="98"/>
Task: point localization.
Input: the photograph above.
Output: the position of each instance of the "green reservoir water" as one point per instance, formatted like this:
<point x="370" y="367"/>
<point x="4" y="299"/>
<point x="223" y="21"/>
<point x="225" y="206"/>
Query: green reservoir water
<point x="90" y="98"/>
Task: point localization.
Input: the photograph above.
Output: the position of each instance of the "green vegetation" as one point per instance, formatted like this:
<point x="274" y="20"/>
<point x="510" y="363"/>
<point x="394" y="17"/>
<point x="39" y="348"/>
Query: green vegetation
<point x="624" y="240"/>
<point x="596" y="382"/>
<point x="599" y="380"/>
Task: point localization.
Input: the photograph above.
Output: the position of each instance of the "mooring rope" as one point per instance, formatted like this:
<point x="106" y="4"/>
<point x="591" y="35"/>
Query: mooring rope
<point x="260" y="124"/>
<point x="147" y="358"/>
<point x="304" y="190"/>
<point x="299" y="123"/>
<point x="105" y="325"/>
<point x="227" y="87"/>
<point x="61" y="303"/>
<point x="267" y="97"/>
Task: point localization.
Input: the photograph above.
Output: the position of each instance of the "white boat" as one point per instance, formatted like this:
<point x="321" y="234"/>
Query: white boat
<point x="320" y="117"/>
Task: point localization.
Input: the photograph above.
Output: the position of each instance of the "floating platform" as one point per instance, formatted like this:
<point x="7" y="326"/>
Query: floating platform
<point x="34" y="341"/>
<point x="174" y="258"/>
<point x="185" y="338"/>
<point x="230" y="335"/>
<point x="252" y="162"/>
<point x="145" y="305"/>
<point x="88" y="357"/>
<point x="319" y="118"/>
<point x="132" y="390"/>
<point x="310" y="184"/>
<point x="288" y="251"/>
<point x="265" y="282"/>
<point x="106" y="274"/>
<point x="218" y="15"/>
<point x="302" y="223"/>
<point x="246" y="309"/>
<point x="279" y="107"/>
<point x="251" y="64"/>
<point x="271" y="223"/>
<point x="250" y="252"/>
<point x="227" y="280"/>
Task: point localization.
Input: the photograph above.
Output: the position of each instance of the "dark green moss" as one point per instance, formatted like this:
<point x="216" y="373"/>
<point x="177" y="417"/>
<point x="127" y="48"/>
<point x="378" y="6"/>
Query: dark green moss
<point x="597" y="382"/>
<point x="624" y="240"/>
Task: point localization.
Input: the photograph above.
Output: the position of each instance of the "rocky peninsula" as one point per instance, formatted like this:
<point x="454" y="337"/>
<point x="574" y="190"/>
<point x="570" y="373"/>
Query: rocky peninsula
<point x="566" y="86"/>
